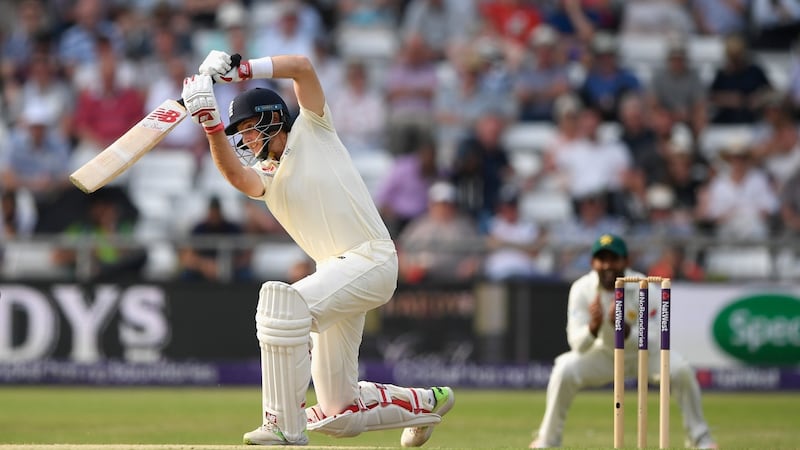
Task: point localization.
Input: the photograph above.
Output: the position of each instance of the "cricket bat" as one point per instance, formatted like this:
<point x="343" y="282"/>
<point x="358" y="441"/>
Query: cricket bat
<point x="131" y="146"/>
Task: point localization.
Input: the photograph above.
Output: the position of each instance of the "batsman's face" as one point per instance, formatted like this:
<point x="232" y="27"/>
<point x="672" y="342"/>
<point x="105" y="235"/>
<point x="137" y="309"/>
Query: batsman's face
<point x="252" y="137"/>
<point x="609" y="266"/>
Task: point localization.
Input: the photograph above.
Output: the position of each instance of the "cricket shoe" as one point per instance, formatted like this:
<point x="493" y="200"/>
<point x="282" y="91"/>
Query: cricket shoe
<point x="417" y="436"/>
<point x="269" y="434"/>
<point x="704" y="441"/>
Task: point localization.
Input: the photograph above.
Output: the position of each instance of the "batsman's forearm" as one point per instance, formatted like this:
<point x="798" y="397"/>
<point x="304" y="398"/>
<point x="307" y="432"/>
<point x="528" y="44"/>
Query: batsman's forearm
<point x="229" y="165"/>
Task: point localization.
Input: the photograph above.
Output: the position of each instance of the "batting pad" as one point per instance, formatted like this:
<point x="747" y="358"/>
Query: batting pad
<point x="283" y="327"/>
<point x="381" y="407"/>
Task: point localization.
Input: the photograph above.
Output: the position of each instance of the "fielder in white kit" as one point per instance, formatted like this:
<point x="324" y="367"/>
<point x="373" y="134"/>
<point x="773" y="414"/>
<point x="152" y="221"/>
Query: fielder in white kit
<point x="312" y="328"/>
<point x="590" y="361"/>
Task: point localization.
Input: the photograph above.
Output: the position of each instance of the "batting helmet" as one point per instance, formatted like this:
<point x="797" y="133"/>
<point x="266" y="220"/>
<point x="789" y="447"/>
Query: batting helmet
<point x="255" y="102"/>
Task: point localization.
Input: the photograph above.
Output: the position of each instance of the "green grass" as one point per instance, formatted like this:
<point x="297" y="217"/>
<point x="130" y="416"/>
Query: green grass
<point x="174" y="417"/>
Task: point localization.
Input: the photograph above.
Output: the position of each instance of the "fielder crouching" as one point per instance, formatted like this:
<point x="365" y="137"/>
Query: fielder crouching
<point x="590" y="360"/>
<point x="312" y="328"/>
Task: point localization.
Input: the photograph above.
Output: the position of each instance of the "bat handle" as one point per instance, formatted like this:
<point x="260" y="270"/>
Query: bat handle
<point x="236" y="59"/>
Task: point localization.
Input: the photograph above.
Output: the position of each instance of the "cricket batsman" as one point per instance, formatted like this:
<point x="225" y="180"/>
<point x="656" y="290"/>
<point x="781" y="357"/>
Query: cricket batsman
<point x="312" y="328"/>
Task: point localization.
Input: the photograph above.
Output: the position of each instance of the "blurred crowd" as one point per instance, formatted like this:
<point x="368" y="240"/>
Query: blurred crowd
<point x="431" y="92"/>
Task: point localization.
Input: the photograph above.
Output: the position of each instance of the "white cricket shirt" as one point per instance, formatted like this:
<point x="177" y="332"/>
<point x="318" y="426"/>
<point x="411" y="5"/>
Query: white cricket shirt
<point x="317" y="194"/>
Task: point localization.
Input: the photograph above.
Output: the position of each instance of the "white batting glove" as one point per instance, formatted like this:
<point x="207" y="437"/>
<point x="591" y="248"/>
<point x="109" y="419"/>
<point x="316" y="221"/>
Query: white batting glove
<point x="198" y="97"/>
<point x="219" y="66"/>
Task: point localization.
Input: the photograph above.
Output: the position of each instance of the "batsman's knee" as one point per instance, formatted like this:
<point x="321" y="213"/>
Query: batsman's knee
<point x="282" y="315"/>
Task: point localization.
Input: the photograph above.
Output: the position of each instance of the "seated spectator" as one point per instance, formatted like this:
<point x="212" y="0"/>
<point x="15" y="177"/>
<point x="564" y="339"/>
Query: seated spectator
<point x="678" y="88"/>
<point x="740" y="201"/>
<point x="482" y="167"/>
<point x="606" y="81"/>
<point x="719" y="17"/>
<point x="675" y="264"/>
<point x="203" y="263"/>
<point x="460" y="102"/>
<point x="575" y="237"/>
<point x="103" y="225"/>
<point x="107" y="107"/>
<point x="685" y="171"/>
<point x="543" y="77"/>
<point x="513" y="20"/>
<point x="363" y="132"/>
<point x="664" y="226"/>
<point x="777" y="141"/>
<point x="79" y="44"/>
<point x="790" y="206"/>
<point x="440" y="245"/>
<point x="738" y="85"/>
<point x="774" y="23"/>
<point x="402" y="196"/>
<point x="591" y="163"/>
<point x="35" y="160"/>
<point x="638" y="133"/>
<point x="440" y="22"/>
<point x="410" y="84"/>
<point x="656" y="17"/>
<point x="513" y="242"/>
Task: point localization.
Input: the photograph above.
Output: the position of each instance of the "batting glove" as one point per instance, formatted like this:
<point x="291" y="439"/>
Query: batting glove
<point x="198" y="96"/>
<point x="220" y="66"/>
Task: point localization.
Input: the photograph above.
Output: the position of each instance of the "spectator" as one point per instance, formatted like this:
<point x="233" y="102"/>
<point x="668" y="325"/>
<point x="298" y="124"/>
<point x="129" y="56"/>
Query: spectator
<point x="790" y="205"/>
<point x="637" y="133"/>
<point x="606" y="81"/>
<point x="686" y="172"/>
<point x="591" y="163"/>
<point x="740" y="201"/>
<point x="44" y="85"/>
<point x="366" y="13"/>
<point x="440" y="22"/>
<point x="574" y="21"/>
<point x="461" y="103"/>
<point x="544" y="78"/>
<point x="663" y="228"/>
<point x="35" y="159"/>
<point x="410" y="86"/>
<point x="439" y="246"/>
<point x="32" y="31"/>
<point x="78" y="45"/>
<point x="719" y="17"/>
<point x="574" y="237"/>
<point x="167" y="84"/>
<point x="678" y="87"/>
<point x="482" y="167"/>
<point x="107" y="107"/>
<point x="777" y="141"/>
<point x="104" y="225"/>
<point x="403" y="194"/>
<point x="513" y="242"/>
<point x="362" y="133"/>
<point x="18" y="220"/>
<point x="513" y="20"/>
<point x="330" y="67"/>
<point x="774" y="23"/>
<point x="656" y="17"/>
<point x="738" y="85"/>
<point x="286" y="35"/>
<point x="204" y="263"/>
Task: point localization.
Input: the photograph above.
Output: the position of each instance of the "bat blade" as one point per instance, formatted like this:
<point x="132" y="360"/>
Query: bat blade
<point x="135" y="143"/>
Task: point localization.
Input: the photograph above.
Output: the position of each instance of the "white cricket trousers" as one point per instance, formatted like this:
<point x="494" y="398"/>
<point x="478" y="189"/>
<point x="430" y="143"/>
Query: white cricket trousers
<point x="573" y="371"/>
<point x="339" y="294"/>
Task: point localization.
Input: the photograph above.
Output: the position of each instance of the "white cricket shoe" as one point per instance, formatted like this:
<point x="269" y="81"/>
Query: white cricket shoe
<point x="271" y="435"/>
<point x="705" y="441"/>
<point x="417" y="436"/>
